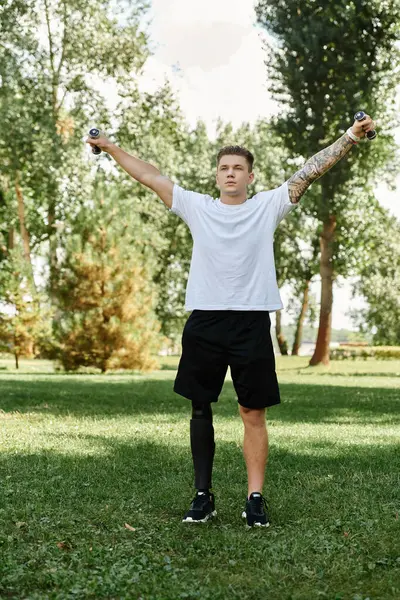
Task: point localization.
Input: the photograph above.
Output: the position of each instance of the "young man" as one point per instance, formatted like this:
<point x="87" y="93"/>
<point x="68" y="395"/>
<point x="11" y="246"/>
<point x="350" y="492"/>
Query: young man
<point x="231" y="290"/>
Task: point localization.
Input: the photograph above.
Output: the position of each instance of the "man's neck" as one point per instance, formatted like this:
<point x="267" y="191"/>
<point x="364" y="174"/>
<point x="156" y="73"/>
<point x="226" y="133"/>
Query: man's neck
<point x="233" y="200"/>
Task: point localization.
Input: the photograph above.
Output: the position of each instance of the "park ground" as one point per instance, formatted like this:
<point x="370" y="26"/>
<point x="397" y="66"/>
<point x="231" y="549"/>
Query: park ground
<point x="95" y="475"/>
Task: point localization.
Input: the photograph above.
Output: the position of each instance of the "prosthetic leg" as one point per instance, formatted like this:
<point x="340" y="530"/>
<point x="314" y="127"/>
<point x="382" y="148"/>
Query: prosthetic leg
<point x="202" y="445"/>
<point x="202" y="508"/>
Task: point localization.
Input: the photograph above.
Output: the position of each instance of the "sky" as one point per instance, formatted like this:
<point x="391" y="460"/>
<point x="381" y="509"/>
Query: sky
<point x="208" y="54"/>
<point x="212" y="53"/>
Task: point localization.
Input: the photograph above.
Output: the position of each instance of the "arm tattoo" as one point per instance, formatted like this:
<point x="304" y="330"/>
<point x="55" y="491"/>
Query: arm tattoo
<point x="316" y="166"/>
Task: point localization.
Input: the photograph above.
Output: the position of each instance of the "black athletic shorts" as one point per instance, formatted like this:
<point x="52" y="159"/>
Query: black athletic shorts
<point x="214" y="339"/>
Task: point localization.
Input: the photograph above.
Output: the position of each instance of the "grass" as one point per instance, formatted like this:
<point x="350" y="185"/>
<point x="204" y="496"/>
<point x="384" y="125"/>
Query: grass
<point x="83" y="455"/>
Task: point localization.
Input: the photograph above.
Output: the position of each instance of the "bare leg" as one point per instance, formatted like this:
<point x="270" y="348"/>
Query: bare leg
<point x="255" y="447"/>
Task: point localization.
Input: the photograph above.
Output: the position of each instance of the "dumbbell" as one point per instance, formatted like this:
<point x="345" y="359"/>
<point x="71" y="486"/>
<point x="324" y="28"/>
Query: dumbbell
<point x="95" y="133"/>
<point x="360" y="116"/>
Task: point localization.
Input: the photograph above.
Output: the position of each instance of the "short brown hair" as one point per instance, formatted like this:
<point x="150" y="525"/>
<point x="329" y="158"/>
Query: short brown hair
<point x="239" y="151"/>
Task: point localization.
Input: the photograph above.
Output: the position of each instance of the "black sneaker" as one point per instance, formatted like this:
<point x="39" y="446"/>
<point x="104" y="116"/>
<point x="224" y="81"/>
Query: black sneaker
<point x="202" y="508"/>
<point x="256" y="511"/>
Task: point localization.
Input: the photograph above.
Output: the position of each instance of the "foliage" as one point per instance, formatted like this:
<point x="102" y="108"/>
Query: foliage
<point x="318" y="98"/>
<point x="49" y="95"/>
<point x="365" y="352"/>
<point x="325" y="63"/>
<point x="25" y="322"/>
<point x="105" y="302"/>
<point x="379" y="282"/>
<point x="152" y="127"/>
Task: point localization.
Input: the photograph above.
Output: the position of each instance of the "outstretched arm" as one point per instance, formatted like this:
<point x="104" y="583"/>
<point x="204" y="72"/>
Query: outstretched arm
<point x="321" y="162"/>
<point x="140" y="170"/>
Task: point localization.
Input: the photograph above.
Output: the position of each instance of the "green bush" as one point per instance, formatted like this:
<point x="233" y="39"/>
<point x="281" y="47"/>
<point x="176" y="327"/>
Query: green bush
<point x="365" y="352"/>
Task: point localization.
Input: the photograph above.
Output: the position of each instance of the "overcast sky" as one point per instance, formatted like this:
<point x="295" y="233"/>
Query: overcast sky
<point x="213" y="54"/>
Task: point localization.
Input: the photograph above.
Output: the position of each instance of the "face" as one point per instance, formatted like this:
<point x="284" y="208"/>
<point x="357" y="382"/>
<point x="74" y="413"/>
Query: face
<point x="233" y="175"/>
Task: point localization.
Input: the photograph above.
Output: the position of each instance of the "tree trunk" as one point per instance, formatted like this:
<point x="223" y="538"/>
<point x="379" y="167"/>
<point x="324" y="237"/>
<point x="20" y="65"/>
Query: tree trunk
<point x="22" y="226"/>
<point x="55" y="80"/>
<point x="16" y="360"/>
<point x="51" y="219"/>
<point x="300" y="321"/>
<point x="10" y="241"/>
<point x="282" y="343"/>
<point x="321" y="352"/>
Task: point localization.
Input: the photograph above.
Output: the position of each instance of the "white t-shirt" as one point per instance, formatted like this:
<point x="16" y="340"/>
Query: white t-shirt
<point x="232" y="266"/>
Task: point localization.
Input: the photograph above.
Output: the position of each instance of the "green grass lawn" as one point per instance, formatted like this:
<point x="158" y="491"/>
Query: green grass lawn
<point x="84" y="455"/>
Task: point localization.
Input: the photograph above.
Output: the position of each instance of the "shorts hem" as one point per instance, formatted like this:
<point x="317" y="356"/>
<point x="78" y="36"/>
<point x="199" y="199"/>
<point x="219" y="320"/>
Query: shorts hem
<point x="265" y="405"/>
<point x="193" y="397"/>
<point x="241" y="307"/>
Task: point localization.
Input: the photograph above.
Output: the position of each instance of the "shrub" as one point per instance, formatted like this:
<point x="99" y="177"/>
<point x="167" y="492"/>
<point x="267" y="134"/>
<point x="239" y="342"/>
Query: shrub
<point x="365" y="352"/>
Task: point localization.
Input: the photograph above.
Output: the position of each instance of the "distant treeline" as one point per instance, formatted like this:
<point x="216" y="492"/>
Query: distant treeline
<point x="338" y="335"/>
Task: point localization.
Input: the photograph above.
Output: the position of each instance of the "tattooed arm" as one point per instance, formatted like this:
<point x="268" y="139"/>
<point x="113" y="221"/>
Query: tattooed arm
<point x="316" y="166"/>
<point x="320" y="163"/>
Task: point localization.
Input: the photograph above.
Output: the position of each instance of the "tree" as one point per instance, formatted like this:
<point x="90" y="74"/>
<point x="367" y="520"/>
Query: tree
<point x="326" y="63"/>
<point x="379" y="283"/>
<point x="105" y="302"/>
<point x="296" y="265"/>
<point x="307" y="307"/>
<point x="25" y="322"/>
<point x="47" y="98"/>
<point x="153" y="128"/>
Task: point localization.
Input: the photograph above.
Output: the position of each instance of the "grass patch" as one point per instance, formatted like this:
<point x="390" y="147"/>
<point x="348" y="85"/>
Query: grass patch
<point x="83" y="455"/>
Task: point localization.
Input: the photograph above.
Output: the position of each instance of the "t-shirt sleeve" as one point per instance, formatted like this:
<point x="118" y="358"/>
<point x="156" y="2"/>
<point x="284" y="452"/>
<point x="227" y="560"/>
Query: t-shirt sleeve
<point x="281" y="203"/>
<point x="186" y="204"/>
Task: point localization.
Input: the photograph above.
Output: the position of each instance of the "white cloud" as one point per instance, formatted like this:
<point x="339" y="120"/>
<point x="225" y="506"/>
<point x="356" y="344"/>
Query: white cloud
<point x="213" y="57"/>
<point x="184" y="12"/>
<point x="205" y="45"/>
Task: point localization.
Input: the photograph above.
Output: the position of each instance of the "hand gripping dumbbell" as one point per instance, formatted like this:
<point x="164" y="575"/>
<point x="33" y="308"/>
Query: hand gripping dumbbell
<point x="95" y="133"/>
<point x="360" y="116"/>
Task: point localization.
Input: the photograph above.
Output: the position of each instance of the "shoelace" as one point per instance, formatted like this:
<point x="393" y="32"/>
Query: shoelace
<point x="258" y="503"/>
<point x="199" y="500"/>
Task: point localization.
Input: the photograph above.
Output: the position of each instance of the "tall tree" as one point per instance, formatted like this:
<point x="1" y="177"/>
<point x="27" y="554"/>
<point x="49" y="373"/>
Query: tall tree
<point x="104" y="294"/>
<point x="379" y="282"/>
<point x="48" y="70"/>
<point x="152" y="127"/>
<point x="325" y="63"/>
<point x="25" y="320"/>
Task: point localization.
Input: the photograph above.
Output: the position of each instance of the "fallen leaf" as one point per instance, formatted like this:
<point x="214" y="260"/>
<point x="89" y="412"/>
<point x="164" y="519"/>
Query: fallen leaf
<point x="64" y="545"/>
<point x="20" y="524"/>
<point x="346" y="534"/>
<point x="127" y="526"/>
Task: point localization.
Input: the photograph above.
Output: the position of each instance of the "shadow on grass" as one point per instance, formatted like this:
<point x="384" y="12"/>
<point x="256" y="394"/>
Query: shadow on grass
<point x="300" y="402"/>
<point x="147" y="474"/>
<point x="83" y="502"/>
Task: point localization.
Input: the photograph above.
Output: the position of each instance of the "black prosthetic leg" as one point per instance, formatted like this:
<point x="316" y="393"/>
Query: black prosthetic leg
<point x="202" y="445"/>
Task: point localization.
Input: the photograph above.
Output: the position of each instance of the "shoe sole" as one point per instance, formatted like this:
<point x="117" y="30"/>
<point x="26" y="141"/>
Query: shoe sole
<point x="244" y="516"/>
<point x="207" y="518"/>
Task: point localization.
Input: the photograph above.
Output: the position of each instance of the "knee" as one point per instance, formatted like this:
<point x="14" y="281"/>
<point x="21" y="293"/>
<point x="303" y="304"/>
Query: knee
<point x="254" y="417"/>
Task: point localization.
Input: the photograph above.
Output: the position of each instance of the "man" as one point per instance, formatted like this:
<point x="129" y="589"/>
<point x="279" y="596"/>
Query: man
<point x="231" y="290"/>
